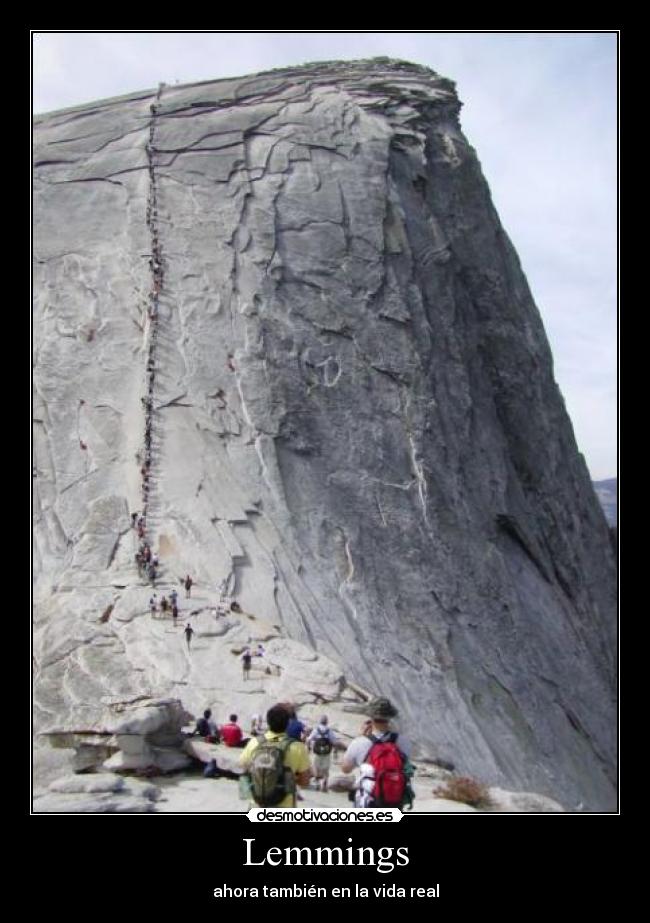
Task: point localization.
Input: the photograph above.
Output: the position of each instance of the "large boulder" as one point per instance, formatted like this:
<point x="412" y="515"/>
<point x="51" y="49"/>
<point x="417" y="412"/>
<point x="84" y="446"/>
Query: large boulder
<point x="150" y="737"/>
<point x="226" y="758"/>
<point x="97" y="794"/>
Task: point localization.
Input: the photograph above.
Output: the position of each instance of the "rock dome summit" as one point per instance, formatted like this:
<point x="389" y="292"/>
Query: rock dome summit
<point x="278" y="318"/>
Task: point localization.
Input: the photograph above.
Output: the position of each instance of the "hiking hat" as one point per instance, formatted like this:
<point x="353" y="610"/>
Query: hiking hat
<point x="382" y="709"/>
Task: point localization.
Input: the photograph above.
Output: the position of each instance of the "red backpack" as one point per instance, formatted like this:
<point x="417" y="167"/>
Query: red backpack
<point x="390" y="779"/>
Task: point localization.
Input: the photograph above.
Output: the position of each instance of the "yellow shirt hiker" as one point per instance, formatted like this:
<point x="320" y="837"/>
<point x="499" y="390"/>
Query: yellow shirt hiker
<point x="295" y="762"/>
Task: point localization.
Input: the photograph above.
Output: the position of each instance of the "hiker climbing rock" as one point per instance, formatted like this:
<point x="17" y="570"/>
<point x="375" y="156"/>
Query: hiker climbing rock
<point x="189" y="631"/>
<point x="146" y="561"/>
<point x="164" y="605"/>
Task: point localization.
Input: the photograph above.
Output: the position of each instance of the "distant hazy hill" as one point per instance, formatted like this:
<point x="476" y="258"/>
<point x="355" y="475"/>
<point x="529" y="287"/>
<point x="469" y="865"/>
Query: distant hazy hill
<point x="606" y="491"/>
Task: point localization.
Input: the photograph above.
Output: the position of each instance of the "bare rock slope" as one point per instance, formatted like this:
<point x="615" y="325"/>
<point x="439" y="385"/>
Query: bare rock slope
<point x="353" y="423"/>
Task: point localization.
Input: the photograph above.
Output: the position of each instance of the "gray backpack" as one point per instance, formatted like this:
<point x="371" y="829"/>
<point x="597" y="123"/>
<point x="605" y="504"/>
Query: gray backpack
<point x="271" y="780"/>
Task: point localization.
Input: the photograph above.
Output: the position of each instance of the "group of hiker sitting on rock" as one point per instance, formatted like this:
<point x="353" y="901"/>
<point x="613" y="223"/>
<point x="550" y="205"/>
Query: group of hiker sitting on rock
<point x="277" y="762"/>
<point x="229" y="734"/>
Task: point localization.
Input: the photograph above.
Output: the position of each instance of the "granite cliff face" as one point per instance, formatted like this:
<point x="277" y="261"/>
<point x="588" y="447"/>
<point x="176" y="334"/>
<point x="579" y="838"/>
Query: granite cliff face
<point x="354" y="424"/>
<point x="607" y="493"/>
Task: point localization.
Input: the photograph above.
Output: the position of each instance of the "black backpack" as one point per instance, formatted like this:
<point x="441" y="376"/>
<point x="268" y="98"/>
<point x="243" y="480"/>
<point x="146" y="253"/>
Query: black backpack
<point x="271" y="780"/>
<point x="322" y="746"/>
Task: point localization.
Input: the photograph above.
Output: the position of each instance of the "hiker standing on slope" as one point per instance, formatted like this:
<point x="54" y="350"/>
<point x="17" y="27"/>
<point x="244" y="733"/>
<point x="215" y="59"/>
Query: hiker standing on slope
<point x="295" y="729"/>
<point x="246" y="662"/>
<point x="189" y="631"/>
<point x="321" y="742"/>
<point x="276" y="764"/>
<point x="381" y="755"/>
<point x="188" y="586"/>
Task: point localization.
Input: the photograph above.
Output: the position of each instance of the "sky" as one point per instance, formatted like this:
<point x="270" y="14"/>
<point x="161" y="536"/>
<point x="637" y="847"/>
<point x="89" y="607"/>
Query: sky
<point x="539" y="108"/>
